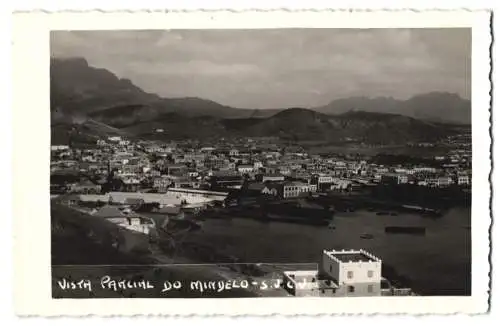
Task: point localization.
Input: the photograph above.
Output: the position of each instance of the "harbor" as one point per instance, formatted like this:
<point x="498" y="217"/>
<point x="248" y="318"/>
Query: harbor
<point x="429" y="262"/>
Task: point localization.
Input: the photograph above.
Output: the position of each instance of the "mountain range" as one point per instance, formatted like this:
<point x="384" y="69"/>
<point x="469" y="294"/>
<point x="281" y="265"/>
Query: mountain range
<point x="94" y="100"/>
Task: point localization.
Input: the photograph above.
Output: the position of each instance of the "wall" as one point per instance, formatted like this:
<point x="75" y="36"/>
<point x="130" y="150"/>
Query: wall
<point x="329" y="267"/>
<point x="360" y="272"/>
<point x="302" y="284"/>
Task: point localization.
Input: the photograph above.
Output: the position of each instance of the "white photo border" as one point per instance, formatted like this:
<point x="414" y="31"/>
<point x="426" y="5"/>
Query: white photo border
<point x="31" y="160"/>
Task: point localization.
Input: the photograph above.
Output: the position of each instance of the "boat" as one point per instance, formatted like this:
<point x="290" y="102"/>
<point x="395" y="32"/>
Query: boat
<point x="418" y="230"/>
<point x="366" y="236"/>
<point x="382" y="213"/>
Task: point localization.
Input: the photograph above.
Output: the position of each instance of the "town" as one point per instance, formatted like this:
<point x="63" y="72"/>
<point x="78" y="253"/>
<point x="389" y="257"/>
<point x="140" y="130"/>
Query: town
<point x="118" y="164"/>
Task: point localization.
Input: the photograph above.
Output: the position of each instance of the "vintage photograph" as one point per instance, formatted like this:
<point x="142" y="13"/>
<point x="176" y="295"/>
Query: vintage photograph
<point x="282" y="162"/>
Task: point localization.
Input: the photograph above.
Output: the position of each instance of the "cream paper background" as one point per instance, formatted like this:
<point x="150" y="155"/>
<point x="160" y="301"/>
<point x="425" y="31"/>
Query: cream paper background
<point x="31" y="160"/>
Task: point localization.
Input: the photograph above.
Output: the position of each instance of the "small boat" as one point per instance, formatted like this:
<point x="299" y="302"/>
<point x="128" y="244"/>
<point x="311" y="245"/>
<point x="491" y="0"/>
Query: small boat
<point x="382" y="213"/>
<point x="406" y="230"/>
<point x="366" y="236"/>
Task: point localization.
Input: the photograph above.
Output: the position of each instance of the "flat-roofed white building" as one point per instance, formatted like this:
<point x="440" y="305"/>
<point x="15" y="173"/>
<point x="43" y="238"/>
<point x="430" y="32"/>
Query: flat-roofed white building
<point x="162" y="199"/>
<point x="193" y="196"/>
<point x="114" y="138"/>
<point x="340" y="273"/>
<point x="59" y="147"/>
<point x="356" y="272"/>
<point x="295" y="189"/>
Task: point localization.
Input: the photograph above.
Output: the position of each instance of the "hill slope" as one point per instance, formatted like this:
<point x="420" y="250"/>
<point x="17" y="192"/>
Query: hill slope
<point x="78" y="87"/>
<point x="435" y="106"/>
<point x="300" y="124"/>
<point x="91" y="101"/>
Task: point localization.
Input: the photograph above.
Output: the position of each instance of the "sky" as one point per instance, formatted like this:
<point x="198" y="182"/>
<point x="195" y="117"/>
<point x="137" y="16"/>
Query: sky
<point x="278" y="68"/>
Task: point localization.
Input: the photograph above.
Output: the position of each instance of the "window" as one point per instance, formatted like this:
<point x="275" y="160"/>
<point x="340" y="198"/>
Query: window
<point x="370" y="273"/>
<point x="370" y="288"/>
<point x="350" y="274"/>
<point x="350" y="289"/>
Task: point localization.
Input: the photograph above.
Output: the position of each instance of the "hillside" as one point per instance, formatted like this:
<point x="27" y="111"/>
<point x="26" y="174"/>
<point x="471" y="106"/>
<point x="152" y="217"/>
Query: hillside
<point x="435" y="106"/>
<point x="369" y="127"/>
<point x="300" y="124"/>
<point x="78" y="87"/>
<point x="89" y="102"/>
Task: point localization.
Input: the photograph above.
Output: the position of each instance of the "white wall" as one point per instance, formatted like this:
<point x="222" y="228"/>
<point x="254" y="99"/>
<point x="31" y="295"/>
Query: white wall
<point x="360" y="272"/>
<point x="330" y="267"/>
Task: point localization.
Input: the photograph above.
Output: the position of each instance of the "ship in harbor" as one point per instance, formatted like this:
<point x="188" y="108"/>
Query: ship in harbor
<point x="295" y="213"/>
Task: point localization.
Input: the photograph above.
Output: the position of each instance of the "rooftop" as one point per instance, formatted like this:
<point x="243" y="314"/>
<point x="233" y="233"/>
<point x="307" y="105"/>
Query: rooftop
<point x="353" y="257"/>
<point x="346" y="256"/>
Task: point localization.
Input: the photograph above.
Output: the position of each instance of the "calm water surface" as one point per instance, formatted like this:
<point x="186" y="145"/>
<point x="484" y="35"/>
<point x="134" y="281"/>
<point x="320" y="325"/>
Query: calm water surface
<point x="437" y="263"/>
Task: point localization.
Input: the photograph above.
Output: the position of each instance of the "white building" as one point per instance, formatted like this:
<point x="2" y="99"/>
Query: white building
<point x="193" y="196"/>
<point x="124" y="142"/>
<point x="424" y="170"/>
<point x="115" y="138"/>
<point x="122" y="197"/>
<point x="342" y="273"/>
<point x="324" y="179"/>
<point x="463" y="179"/>
<point x="357" y="272"/>
<point x="273" y="178"/>
<point x="59" y="147"/>
<point x="245" y="168"/>
<point x="313" y="187"/>
<point x="295" y="189"/>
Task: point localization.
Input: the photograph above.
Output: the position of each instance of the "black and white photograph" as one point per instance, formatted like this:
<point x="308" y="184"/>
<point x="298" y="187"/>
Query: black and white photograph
<point x="261" y="163"/>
